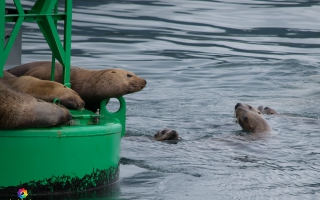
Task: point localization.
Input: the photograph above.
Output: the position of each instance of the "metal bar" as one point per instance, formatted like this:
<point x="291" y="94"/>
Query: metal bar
<point x="2" y="34"/>
<point x="42" y="28"/>
<point x="67" y="42"/>
<point x="43" y="7"/>
<point x="15" y="30"/>
<point x="12" y="38"/>
<point x="19" y="7"/>
<point x="53" y="30"/>
<point x="49" y="30"/>
<point x="53" y="59"/>
<point x="51" y="35"/>
<point x="34" y="17"/>
<point x="36" y="6"/>
<point x="48" y="6"/>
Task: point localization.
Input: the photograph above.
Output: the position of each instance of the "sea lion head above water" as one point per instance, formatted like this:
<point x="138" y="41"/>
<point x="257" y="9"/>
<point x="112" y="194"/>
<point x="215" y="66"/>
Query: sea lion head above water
<point x="251" y="121"/>
<point x="166" y="134"/>
<point x="248" y="107"/>
<point x="267" y="110"/>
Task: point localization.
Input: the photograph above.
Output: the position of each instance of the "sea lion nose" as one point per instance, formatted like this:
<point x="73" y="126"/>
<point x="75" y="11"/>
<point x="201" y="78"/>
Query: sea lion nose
<point x="80" y="105"/>
<point x="69" y="116"/>
<point x="237" y="105"/>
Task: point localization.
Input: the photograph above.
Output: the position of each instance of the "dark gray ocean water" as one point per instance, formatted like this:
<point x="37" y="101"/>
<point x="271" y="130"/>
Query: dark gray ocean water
<point x="200" y="58"/>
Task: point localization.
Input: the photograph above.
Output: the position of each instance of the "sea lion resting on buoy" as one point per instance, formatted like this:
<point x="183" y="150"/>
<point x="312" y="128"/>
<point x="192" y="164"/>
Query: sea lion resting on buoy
<point x="251" y="121"/>
<point x="93" y="86"/>
<point x="20" y="110"/>
<point x="166" y="134"/>
<point x="267" y="110"/>
<point x="45" y="90"/>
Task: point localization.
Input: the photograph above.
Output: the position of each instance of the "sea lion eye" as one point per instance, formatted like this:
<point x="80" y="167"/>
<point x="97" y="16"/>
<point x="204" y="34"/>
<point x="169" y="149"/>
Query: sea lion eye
<point x="245" y="118"/>
<point x="113" y="72"/>
<point x="250" y="107"/>
<point x="259" y="113"/>
<point x="129" y="75"/>
<point x="266" y="108"/>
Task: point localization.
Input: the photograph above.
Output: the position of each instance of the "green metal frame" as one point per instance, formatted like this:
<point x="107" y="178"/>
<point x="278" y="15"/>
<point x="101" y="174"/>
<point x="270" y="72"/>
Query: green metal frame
<point x="46" y="15"/>
<point x="54" y="160"/>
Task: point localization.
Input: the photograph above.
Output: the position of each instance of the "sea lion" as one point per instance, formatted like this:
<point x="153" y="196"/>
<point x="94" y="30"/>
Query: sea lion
<point x="249" y="107"/>
<point x="251" y="121"/>
<point x="45" y="90"/>
<point x="267" y="110"/>
<point x="166" y="134"/>
<point x="20" y="110"/>
<point x="93" y="86"/>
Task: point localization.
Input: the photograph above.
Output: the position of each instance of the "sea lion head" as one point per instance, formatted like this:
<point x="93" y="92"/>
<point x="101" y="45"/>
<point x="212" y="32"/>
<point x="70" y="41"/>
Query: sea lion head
<point x="46" y="90"/>
<point x="248" y="107"/>
<point x="166" y="134"/>
<point x="267" y="110"/>
<point x="49" y="90"/>
<point x="251" y="121"/>
<point x="117" y="82"/>
<point x="71" y="99"/>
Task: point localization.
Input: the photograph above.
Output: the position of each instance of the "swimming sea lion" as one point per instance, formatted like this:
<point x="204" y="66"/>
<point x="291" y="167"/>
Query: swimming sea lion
<point x="20" y="110"/>
<point x="45" y="90"/>
<point x="251" y="121"/>
<point x="93" y="86"/>
<point x="166" y="134"/>
<point x="267" y="110"/>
